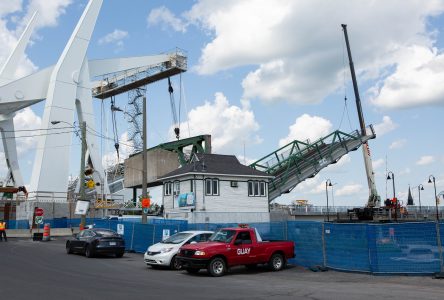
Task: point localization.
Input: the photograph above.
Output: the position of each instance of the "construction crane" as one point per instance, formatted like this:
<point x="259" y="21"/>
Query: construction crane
<point x="374" y="200"/>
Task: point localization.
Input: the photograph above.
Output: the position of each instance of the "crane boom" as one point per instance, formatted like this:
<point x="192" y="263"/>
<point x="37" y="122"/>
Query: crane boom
<point x="374" y="200"/>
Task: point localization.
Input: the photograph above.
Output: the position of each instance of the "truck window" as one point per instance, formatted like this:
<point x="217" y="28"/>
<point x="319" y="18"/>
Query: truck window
<point x="243" y="238"/>
<point x="224" y="236"/>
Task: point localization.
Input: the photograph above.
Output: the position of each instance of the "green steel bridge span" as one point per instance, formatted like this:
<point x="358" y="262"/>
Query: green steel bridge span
<point x="297" y="161"/>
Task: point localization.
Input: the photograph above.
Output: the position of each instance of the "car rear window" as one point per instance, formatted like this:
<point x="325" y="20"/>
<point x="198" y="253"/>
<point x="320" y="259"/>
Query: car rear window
<point x="106" y="233"/>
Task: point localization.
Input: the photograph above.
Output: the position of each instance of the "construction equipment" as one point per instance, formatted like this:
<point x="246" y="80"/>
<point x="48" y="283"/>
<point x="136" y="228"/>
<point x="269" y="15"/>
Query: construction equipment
<point x="374" y="199"/>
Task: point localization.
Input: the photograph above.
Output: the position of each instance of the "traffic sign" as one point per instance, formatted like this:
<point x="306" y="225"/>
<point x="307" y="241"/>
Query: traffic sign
<point x="145" y="210"/>
<point x="146" y="202"/>
<point x="90" y="184"/>
<point x="39" y="211"/>
<point x="39" y="220"/>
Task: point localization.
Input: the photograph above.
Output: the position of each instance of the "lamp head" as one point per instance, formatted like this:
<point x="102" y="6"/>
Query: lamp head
<point x="422" y="188"/>
<point x="388" y="177"/>
<point x="430" y="181"/>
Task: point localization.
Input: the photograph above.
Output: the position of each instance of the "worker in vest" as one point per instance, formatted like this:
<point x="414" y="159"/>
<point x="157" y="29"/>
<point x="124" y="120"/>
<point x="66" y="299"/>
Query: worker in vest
<point x="3" y="231"/>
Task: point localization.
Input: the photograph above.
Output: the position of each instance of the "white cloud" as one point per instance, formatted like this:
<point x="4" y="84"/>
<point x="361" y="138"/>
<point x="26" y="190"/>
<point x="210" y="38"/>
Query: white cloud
<point x="403" y="89"/>
<point x="116" y="37"/>
<point x="406" y="171"/>
<point x="348" y="190"/>
<point x="398" y="144"/>
<point x="386" y="126"/>
<point x="308" y="186"/>
<point x="425" y="160"/>
<point x="125" y="149"/>
<point x="49" y="12"/>
<point x="227" y="124"/>
<point x="303" y="66"/>
<point x="26" y="119"/>
<point x="164" y="16"/>
<point x="339" y="166"/>
<point x="307" y="127"/>
<point x="11" y="6"/>
<point x="378" y="163"/>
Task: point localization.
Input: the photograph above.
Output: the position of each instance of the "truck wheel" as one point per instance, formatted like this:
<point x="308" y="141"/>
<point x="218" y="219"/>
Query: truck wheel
<point x="277" y="262"/>
<point x="175" y="264"/>
<point x="192" y="271"/>
<point x="217" y="267"/>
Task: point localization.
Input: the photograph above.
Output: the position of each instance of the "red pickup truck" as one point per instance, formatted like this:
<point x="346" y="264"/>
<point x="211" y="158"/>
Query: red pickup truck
<point x="232" y="247"/>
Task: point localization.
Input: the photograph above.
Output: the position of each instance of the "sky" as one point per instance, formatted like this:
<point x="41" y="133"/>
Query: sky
<point x="261" y="74"/>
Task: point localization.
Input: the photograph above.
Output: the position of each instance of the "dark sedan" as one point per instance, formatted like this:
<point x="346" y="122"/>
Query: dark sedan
<point x="96" y="241"/>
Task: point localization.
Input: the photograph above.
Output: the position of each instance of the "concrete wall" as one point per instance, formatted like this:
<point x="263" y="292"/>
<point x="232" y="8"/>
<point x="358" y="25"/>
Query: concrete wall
<point x="160" y="162"/>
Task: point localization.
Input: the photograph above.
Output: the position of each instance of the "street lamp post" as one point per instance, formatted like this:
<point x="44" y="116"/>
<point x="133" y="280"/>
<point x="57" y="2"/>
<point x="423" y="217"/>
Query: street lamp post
<point x="432" y="178"/>
<point x="438" y="233"/>
<point x="394" y="193"/>
<point x="420" y="188"/>
<point x="327" y="184"/>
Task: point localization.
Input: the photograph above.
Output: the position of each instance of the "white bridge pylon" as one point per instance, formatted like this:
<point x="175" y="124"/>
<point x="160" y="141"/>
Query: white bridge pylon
<point x="67" y="88"/>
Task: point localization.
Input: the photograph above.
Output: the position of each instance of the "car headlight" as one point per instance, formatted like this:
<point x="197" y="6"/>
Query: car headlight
<point x="166" y="250"/>
<point x="199" y="253"/>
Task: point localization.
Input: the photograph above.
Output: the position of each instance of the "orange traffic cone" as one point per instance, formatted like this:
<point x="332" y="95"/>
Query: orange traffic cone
<point x="46" y="233"/>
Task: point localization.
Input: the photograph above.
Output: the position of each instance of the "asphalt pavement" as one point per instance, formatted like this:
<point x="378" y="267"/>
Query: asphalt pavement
<point x="43" y="270"/>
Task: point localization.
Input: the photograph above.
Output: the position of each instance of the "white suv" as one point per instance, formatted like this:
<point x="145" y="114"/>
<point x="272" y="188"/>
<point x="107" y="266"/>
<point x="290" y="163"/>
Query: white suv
<point x="164" y="253"/>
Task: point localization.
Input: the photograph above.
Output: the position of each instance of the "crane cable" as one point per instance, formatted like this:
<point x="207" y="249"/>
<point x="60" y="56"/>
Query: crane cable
<point x="114" y="122"/>
<point x="345" y="110"/>
<point x="173" y="109"/>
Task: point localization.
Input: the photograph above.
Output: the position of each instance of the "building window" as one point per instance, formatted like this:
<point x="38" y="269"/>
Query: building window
<point x="176" y="190"/>
<point x="167" y="188"/>
<point x="234" y="184"/>
<point x="192" y="185"/>
<point x="262" y="188"/>
<point x="212" y="186"/>
<point x="257" y="188"/>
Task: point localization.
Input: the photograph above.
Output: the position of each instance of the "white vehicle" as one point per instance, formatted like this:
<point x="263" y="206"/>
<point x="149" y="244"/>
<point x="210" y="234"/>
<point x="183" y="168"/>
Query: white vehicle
<point x="164" y="253"/>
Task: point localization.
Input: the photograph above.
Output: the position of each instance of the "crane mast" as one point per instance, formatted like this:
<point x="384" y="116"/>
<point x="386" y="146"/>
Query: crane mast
<point x="374" y="199"/>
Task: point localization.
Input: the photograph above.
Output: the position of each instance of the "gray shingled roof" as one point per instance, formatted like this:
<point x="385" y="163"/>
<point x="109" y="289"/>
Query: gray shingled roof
<point x="216" y="164"/>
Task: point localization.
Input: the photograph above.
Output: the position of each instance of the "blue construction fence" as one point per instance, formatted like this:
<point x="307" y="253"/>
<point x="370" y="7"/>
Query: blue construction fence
<point x="377" y="248"/>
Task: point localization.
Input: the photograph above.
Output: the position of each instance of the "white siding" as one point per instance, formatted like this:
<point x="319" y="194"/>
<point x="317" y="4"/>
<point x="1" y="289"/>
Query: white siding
<point x="230" y="199"/>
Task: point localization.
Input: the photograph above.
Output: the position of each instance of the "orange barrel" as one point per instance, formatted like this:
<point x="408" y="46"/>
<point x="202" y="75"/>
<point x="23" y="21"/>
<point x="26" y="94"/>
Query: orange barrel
<point x="46" y="233"/>
<point x="81" y="227"/>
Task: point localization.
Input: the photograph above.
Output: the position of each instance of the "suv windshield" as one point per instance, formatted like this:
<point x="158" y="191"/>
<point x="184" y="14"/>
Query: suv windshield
<point x="177" y="238"/>
<point x="224" y="236"/>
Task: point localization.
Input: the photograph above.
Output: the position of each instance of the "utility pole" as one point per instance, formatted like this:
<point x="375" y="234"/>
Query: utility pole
<point x="144" y="158"/>
<point x="82" y="172"/>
